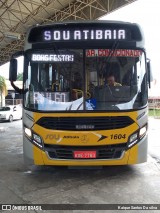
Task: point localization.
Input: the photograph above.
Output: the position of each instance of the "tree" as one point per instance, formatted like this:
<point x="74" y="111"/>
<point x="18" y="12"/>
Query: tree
<point x="20" y="77"/>
<point x="3" y="89"/>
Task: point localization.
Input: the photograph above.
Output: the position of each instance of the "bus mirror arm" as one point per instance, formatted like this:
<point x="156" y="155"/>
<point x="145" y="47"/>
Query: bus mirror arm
<point x="17" y="89"/>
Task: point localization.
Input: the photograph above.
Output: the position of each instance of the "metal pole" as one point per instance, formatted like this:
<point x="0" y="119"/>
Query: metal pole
<point x="13" y="96"/>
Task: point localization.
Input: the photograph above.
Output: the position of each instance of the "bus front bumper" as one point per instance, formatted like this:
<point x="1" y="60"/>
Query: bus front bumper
<point x="136" y="154"/>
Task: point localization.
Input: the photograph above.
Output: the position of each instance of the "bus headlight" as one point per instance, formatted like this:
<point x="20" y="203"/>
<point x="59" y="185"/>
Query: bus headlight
<point x="136" y="136"/>
<point x="33" y="137"/>
<point x="133" y="139"/>
<point x="142" y="131"/>
<point x="37" y="140"/>
<point x="28" y="132"/>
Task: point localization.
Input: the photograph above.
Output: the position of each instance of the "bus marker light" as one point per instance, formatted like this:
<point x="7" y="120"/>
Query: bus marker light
<point x="39" y="145"/>
<point x="132" y="143"/>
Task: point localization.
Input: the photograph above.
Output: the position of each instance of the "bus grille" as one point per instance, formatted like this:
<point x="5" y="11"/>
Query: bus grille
<point x="103" y="152"/>
<point x="85" y="123"/>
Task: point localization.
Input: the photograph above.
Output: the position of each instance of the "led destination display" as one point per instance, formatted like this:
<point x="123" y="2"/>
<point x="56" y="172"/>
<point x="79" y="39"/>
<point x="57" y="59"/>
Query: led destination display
<point x="116" y="53"/>
<point x="52" y="57"/>
<point x="105" y="34"/>
<point x="78" y="32"/>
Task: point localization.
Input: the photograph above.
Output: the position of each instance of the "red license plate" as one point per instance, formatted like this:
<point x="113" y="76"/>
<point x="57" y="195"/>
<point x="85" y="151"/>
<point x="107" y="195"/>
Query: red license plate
<point x="84" y="154"/>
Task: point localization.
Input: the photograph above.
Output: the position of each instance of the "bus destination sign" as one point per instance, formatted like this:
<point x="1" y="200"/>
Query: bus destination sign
<point x="85" y="34"/>
<point x="115" y="53"/>
<point x="52" y="57"/>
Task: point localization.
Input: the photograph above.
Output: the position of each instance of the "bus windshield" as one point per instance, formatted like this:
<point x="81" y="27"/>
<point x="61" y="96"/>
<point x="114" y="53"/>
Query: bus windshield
<point x="90" y="79"/>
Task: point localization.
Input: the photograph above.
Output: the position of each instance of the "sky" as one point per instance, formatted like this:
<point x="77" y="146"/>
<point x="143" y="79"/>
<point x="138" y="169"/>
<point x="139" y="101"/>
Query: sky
<point x="144" y="12"/>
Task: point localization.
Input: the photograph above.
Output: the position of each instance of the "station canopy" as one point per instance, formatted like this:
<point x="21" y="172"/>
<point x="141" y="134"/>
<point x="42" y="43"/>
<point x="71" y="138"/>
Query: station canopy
<point x="16" y="16"/>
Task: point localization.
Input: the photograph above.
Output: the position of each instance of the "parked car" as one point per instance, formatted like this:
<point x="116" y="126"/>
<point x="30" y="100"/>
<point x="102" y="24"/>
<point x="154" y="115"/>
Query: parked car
<point x="10" y="113"/>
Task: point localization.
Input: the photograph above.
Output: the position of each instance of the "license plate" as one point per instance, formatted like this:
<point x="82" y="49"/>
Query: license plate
<point x="84" y="154"/>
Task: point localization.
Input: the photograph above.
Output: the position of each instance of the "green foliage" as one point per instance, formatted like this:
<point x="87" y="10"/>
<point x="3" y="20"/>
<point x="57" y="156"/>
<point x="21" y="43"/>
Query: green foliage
<point x="154" y="112"/>
<point x="3" y="89"/>
<point x="3" y="86"/>
<point x="20" y="77"/>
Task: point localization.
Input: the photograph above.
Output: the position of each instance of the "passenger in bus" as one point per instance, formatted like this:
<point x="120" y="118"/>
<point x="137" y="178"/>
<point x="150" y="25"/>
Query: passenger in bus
<point x="110" y="81"/>
<point x="77" y="81"/>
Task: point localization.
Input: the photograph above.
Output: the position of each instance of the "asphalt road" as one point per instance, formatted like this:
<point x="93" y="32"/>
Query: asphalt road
<point x="137" y="184"/>
<point x="154" y="138"/>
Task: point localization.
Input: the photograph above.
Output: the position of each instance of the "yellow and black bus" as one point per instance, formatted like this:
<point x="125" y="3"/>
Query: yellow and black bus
<point x="73" y="114"/>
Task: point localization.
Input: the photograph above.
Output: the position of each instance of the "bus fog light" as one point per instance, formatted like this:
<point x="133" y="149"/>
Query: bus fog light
<point x="28" y="132"/>
<point x="37" y="138"/>
<point x="142" y="131"/>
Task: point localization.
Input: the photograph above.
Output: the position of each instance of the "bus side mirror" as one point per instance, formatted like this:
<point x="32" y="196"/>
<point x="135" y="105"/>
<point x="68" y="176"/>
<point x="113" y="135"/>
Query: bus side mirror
<point x="14" y="65"/>
<point x="149" y="72"/>
<point x="13" y="70"/>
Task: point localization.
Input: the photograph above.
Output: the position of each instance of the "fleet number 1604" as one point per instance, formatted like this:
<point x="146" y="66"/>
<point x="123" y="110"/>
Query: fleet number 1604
<point x="118" y="136"/>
